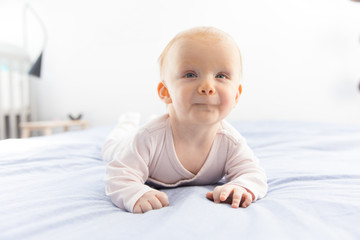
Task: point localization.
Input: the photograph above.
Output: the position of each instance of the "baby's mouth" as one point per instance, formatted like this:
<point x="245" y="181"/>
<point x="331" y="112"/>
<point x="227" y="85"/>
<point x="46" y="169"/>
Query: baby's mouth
<point x="206" y="102"/>
<point x="204" y="106"/>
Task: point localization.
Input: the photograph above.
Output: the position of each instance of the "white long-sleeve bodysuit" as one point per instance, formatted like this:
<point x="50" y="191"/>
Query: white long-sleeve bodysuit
<point x="137" y="155"/>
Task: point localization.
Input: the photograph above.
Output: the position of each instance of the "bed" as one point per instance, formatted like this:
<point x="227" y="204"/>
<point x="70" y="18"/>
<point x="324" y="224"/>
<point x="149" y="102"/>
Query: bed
<point x="52" y="188"/>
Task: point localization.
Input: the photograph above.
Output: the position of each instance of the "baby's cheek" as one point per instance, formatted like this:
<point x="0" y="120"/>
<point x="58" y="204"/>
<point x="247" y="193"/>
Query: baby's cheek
<point x="229" y="100"/>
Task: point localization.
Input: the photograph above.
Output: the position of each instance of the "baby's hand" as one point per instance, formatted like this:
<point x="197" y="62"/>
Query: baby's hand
<point x="232" y="194"/>
<point x="150" y="201"/>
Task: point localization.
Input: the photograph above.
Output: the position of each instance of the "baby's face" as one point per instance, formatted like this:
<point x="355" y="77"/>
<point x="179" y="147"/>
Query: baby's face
<point x="202" y="78"/>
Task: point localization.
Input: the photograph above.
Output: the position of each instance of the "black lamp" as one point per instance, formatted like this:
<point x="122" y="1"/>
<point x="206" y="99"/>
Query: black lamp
<point x="35" y="69"/>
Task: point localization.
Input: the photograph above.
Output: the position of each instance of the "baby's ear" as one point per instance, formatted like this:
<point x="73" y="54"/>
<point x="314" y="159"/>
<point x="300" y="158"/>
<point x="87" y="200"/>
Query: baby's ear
<point x="164" y="93"/>
<point x="238" y="93"/>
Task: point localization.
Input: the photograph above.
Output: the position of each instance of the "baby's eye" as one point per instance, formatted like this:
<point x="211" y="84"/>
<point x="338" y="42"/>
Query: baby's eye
<point x="222" y="76"/>
<point x="190" y="75"/>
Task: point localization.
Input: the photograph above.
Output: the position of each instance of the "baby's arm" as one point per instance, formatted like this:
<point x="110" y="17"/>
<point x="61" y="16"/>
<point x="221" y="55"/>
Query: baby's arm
<point x="246" y="180"/>
<point x="150" y="201"/>
<point x="127" y="171"/>
<point x="232" y="194"/>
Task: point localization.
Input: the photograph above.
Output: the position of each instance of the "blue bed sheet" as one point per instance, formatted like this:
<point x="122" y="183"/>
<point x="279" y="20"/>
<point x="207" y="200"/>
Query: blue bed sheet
<point x="52" y="188"/>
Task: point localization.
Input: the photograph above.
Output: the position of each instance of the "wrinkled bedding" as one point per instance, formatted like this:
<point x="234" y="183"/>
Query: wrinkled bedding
<point x="52" y="188"/>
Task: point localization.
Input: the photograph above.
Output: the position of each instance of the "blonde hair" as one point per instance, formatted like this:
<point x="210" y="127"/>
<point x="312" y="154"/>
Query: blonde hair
<point x="200" y="33"/>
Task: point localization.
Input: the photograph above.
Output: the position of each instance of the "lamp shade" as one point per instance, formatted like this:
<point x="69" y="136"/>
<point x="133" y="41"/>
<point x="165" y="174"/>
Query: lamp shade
<point x="35" y="69"/>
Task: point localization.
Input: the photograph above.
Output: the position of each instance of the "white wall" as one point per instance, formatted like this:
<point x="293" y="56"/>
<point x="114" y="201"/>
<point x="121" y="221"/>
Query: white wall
<point x="301" y="58"/>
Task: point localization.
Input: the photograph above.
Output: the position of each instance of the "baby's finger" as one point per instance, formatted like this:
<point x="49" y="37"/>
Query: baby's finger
<point x="163" y="198"/>
<point x="236" y="198"/>
<point x="247" y="199"/>
<point x="137" y="209"/>
<point x="145" y="206"/>
<point x="216" y="194"/>
<point x="155" y="202"/>
<point x="225" y="192"/>
<point x="210" y="196"/>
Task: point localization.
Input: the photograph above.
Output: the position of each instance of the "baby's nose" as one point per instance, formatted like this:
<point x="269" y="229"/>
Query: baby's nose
<point x="206" y="88"/>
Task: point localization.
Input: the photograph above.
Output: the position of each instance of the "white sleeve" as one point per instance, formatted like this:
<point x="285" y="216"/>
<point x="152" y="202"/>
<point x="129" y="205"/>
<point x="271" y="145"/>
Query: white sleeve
<point x="242" y="168"/>
<point x="127" y="172"/>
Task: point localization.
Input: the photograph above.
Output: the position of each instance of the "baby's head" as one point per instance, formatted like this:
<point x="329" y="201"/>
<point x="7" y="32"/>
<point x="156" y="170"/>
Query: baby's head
<point x="205" y="34"/>
<point x="200" y="73"/>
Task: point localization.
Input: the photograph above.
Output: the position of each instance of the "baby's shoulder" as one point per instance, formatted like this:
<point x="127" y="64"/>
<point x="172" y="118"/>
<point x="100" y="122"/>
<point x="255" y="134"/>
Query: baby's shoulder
<point x="155" y="126"/>
<point x="230" y="133"/>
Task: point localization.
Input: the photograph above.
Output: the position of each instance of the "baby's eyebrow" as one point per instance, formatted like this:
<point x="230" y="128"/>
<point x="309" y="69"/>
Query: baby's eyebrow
<point x="224" y="72"/>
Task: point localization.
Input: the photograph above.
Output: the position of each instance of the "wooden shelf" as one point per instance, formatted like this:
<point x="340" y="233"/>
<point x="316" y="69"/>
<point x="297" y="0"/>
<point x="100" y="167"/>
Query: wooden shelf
<point x="48" y="126"/>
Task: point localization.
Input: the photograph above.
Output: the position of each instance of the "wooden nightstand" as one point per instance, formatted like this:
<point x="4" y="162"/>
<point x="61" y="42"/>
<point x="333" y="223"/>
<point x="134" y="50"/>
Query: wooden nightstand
<point x="47" y="126"/>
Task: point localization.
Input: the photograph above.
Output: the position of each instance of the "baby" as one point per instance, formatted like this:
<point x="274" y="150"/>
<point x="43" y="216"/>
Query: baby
<point x="200" y="73"/>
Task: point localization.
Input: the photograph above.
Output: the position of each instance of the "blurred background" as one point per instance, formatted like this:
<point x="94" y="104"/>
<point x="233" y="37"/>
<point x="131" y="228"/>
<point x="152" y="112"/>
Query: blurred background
<point x="301" y="59"/>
